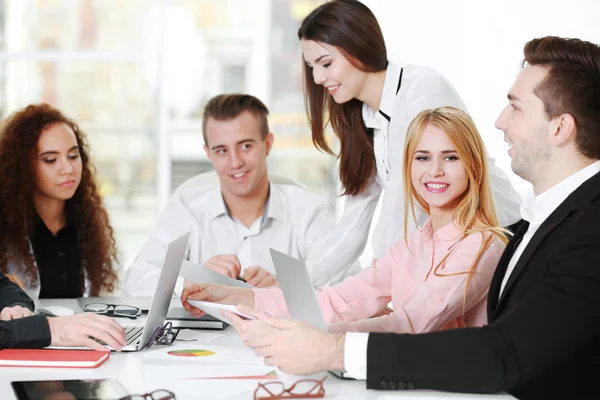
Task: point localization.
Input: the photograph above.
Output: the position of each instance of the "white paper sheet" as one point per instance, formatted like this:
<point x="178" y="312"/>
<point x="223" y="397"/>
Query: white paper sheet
<point x="201" y="372"/>
<point x="213" y="309"/>
<point x="192" y="335"/>
<point x="202" y="354"/>
<point x="197" y="273"/>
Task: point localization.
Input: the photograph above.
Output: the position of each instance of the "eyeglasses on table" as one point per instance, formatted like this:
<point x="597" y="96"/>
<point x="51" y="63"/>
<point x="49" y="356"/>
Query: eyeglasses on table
<point x="113" y="309"/>
<point x="302" y="389"/>
<point x="160" y="394"/>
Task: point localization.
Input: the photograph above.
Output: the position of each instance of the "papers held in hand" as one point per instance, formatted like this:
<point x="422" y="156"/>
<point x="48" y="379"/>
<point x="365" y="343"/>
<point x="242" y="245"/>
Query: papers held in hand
<point x="213" y="309"/>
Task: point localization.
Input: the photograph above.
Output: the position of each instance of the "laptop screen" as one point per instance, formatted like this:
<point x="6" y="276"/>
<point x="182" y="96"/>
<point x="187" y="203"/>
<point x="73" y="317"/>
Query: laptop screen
<point x="298" y="290"/>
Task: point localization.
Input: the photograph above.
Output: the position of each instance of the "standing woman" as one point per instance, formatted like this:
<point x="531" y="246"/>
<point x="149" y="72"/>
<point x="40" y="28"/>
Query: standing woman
<point x="369" y="102"/>
<point x="56" y="238"/>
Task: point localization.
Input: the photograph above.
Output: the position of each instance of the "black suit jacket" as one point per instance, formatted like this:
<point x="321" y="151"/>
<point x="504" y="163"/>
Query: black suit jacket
<point x="543" y="337"/>
<point x="28" y="332"/>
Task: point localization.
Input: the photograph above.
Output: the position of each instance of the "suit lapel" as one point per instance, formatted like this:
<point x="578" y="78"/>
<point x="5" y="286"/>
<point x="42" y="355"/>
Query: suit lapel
<point x="582" y="196"/>
<point x="519" y="232"/>
<point x="537" y="239"/>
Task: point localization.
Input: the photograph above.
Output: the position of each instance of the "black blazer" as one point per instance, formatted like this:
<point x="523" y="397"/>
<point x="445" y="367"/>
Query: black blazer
<point x="543" y="337"/>
<point x="24" y="333"/>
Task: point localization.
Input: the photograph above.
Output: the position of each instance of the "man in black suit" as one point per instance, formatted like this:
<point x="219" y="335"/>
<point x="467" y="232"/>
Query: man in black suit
<point x="543" y="337"/>
<point x="20" y="328"/>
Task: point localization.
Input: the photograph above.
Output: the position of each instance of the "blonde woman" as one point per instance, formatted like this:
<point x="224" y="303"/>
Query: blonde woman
<point x="438" y="277"/>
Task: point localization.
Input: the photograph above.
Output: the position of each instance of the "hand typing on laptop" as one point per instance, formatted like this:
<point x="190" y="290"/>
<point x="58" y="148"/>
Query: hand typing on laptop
<point x="216" y="294"/>
<point x="78" y="330"/>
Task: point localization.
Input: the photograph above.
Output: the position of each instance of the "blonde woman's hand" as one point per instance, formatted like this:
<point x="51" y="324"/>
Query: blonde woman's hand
<point x="216" y="294"/>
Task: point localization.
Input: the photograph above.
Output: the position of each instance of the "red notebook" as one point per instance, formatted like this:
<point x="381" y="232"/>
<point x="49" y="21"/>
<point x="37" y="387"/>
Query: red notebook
<point x="52" y="358"/>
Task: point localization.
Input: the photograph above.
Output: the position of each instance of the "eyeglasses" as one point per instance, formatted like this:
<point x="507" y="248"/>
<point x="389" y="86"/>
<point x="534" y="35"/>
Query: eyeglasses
<point x="160" y="394"/>
<point x="304" y="389"/>
<point x="163" y="335"/>
<point x="113" y="309"/>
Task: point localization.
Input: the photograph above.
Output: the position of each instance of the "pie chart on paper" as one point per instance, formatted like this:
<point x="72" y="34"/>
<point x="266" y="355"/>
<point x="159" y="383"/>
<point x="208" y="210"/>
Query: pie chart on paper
<point x="191" y="353"/>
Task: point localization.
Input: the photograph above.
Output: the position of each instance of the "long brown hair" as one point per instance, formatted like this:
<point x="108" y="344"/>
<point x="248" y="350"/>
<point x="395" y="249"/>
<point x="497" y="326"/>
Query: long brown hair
<point x="475" y="211"/>
<point x="18" y="140"/>
<point x="352" y="28"/>
<point x="572" y="85"/>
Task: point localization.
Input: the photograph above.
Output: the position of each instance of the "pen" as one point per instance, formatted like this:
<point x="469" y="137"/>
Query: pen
<point x="239" y="278"/>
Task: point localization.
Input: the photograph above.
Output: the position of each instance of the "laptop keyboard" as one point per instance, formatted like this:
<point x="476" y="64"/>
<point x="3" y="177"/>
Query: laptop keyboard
<point x="132" y="334"/>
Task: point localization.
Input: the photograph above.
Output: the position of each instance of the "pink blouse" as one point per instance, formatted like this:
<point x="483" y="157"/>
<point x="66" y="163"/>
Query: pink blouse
<point x="422" y="301"/>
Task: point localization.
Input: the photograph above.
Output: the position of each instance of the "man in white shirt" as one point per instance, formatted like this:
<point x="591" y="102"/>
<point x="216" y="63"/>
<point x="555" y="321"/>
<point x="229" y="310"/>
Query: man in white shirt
<point x="543" y="336"/>
<point x="234" y="223"/>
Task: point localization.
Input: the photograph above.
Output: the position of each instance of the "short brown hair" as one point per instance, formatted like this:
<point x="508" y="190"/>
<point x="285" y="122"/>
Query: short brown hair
<point x="228" y="106"/>
<point x="572" y="85"/>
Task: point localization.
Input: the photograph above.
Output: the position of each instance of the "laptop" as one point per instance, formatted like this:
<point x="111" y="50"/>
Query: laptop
<point x="299" y="293"/>
<point x="137" y="336"/>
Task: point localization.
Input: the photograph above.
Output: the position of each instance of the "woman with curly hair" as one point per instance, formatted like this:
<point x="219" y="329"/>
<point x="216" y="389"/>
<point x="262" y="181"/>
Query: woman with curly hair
<point x="56" y="240"/>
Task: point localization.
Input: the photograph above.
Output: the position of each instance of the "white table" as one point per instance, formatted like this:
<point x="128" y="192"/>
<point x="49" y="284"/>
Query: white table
<point x="129" y="370"/>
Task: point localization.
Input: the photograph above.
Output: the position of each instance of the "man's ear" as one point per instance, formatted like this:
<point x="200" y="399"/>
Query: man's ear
<point x="269" y="142"/>
<point x="565" y="130"/>
<point x="206" y="150"/>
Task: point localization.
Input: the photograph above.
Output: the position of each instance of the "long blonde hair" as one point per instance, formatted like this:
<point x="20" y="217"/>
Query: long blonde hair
<point x="475" y="212"/>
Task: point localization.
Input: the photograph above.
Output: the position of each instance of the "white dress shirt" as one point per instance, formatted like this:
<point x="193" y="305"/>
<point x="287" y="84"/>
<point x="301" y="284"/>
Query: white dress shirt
<point x="408" y="90"/>
<point x="292" y="221"/>
<point x="534" y="210"/>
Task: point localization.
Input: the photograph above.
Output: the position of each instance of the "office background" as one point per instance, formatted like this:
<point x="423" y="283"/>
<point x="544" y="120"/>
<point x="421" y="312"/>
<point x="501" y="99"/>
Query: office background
<point x="135" y="75"/>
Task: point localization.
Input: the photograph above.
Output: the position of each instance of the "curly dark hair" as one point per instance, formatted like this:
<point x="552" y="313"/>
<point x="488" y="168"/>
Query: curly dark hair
<point x="18" y="141"/>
